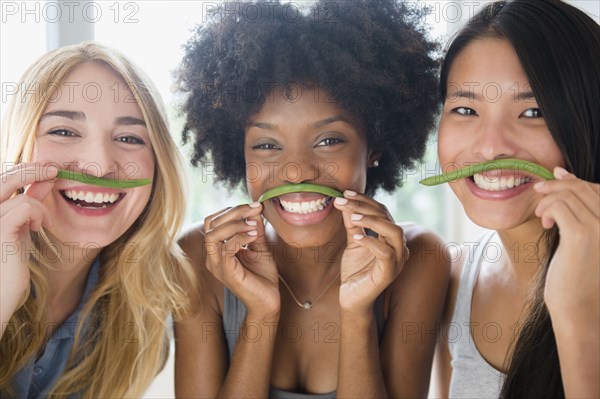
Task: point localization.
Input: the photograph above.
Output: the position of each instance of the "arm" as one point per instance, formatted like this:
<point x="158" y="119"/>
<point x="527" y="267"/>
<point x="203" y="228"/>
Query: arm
<point x="199" y="338"/>
<point x="572" y="291"/>
<point x="413" y="327"/>
<point x="202" y="367"/>
<point x="369" y="266"/>
<point x="20" y="215"/>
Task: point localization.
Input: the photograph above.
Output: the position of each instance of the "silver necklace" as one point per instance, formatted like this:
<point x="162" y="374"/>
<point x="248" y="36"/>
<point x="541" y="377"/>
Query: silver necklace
<point x="308" y="304"/>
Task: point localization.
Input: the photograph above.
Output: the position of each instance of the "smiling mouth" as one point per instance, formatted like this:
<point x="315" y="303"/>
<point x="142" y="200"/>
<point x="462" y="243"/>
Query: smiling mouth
<point x="305" y="207"/>
<point x="499" y="183"/>
<point x="87" y="199"/>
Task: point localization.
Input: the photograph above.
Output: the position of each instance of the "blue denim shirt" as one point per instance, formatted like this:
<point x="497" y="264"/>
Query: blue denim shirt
<point x="38" y="376"/>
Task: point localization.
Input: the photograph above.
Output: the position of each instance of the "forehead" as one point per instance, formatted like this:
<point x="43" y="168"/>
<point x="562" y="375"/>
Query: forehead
<point x="487" y="61"/>
<point x="93" y="84"/>
<point x="300" y="102"/>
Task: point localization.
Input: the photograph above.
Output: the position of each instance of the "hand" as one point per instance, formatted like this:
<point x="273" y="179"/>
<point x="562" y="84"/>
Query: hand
<point x="19" y="215"/>
<point x="237" y="255"/>
<point x="369" y="264"/>
<point x="573" y="280"/>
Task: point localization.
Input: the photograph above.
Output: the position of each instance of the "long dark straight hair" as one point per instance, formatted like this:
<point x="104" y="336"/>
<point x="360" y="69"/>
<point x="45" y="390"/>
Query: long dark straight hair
<point x="558" y="47"/>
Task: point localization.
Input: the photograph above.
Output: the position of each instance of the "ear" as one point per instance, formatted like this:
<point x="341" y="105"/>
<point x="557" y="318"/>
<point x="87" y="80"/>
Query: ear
<point x="373" y="156"/>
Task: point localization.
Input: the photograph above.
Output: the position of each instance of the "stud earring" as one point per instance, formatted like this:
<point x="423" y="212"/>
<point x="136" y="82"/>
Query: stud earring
<point x="375" y="163"/>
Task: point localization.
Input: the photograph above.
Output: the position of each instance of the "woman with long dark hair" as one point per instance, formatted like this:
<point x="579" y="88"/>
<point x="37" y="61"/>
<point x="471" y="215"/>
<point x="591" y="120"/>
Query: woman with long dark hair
<point x="522" y="80"/>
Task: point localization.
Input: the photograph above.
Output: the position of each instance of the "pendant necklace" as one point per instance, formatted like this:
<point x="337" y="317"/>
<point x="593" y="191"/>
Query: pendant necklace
<point x="308" y="305"/>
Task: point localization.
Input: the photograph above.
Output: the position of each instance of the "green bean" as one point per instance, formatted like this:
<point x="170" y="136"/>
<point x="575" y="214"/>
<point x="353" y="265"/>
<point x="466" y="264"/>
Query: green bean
<point x="100" y="181"/>
<point x="512" y="164"/>
<point x="297" y="188"/>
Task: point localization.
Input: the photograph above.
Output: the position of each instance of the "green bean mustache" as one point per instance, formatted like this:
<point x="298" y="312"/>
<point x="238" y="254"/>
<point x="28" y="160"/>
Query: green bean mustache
<point x="100" y="181"/>
<point x="511" y="164"/>
<point x="298" y="188"/>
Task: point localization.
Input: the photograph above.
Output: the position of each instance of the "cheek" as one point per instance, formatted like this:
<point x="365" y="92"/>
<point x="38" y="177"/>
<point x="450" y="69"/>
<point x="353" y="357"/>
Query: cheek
<point x="445" y="147"/>
<point x="46" y="152"/>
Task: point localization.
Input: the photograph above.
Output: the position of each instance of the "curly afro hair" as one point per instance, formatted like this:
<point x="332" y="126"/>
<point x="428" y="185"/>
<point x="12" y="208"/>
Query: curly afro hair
<point x="372" y="57"/>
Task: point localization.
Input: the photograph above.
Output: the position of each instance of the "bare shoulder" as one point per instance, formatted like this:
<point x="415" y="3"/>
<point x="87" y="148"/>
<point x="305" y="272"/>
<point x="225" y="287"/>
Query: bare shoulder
<point x="427" y="270"/>
<point x="427" y="249"/>
<point x="191" y="242"/>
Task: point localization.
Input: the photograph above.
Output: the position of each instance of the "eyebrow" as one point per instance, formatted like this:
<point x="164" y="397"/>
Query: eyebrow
<point x="74" y="115"/>
<point x="332" y="119"/>
<point x="526" y="95"/>
<point x="129" y="121"/>
<point x="464" y="94"/>
<point x="80" y="116"/>
<point x="316" y="125"/>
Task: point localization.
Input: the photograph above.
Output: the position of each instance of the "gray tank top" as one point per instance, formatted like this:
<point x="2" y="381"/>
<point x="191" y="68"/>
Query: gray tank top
<point x="472" y="375"/>
<point x="234" y="312"/>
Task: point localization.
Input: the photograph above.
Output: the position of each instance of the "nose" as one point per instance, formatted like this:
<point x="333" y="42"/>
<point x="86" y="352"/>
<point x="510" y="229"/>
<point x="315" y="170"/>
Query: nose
<point x="494" y="140"/>
<point x="96" y="157"/>
<point x="300" y="168"/>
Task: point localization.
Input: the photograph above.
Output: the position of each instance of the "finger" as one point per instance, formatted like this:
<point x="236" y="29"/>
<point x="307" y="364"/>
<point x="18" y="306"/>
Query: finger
<point x="24" y="175"/>
<point x="260" y="242"/>
<point x="572" y="200"/>
<point x="226" y="231"/>
<point x="221" y="255"/>
<point x="561" y="213"/>
<point x="27" y="214"/>
<point x="39" y="190"/>
<point x="352" y="230"/>
<point x="388" y="264"/>
<point x="588" y="192"/>
<point x="359" y="203"/>
<point x="19" y="201"/>
<point x="388" y="232"/>
<point x="237" y="213"/>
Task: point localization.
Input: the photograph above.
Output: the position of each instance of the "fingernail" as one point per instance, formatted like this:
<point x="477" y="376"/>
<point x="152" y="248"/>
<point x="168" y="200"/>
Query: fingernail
<point x="52" y="169"/>
<point x="251" y="222"/>
<point x="254" y="204"/>
<point x="341" y="201"/>
<point x="350" y="193"/>
<point x="538" y="185"/>
<point x="559" y="172"/>
<point x="358" y="237"/>
<point x="356" y="216"/>
<point x="252" y="232"/>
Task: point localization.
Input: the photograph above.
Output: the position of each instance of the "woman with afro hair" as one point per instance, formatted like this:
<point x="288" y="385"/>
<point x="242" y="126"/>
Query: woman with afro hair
<point x="305" y="295"/>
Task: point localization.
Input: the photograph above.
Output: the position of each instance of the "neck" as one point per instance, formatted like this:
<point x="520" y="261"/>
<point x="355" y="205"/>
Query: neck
<point x="308" y="269"/>
<point x="66" y="279"/>
<point x="523" y="249"/>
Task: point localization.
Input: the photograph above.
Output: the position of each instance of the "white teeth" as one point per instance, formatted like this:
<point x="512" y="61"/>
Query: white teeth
<point x="98" y="198"/>
<point x="305" y="207"/>
<point x="498" y="184"/>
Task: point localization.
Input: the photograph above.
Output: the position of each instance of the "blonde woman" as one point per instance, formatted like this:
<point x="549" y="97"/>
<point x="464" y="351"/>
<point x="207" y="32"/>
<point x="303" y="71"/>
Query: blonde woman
<point x="90" y="274"/>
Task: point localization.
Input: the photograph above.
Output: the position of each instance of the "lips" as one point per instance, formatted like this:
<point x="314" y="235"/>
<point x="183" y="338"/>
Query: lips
<point x="498" y="183"/>
<point x="305" y="207"/>
<point x="92" y="199"/>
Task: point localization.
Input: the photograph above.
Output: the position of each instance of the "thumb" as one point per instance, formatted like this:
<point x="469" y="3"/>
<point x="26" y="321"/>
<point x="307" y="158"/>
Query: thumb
<point x="39" y="190"/>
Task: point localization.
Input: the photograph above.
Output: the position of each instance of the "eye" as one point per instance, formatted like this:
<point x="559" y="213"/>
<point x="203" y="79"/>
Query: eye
<point x="265" y="146"/>
<point x="329" y="141"/>
<point x="531" y="113"/>
<point x="464" y="111"/>
<point x="130" y="140"/>
<point x="62" y="133"/>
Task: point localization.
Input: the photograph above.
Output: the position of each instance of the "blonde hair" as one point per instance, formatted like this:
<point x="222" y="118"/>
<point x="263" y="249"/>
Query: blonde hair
<point x="144" y="275"/>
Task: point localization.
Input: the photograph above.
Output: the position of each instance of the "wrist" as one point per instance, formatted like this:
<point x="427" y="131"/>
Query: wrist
<point x="359" y="317"/>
